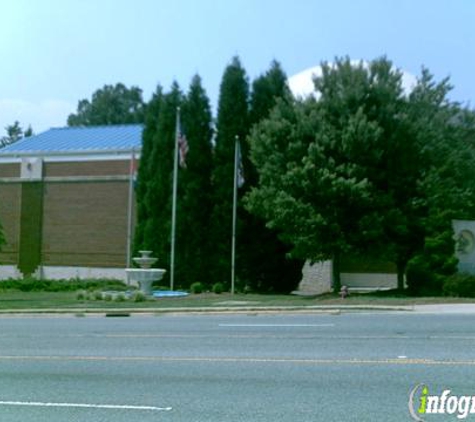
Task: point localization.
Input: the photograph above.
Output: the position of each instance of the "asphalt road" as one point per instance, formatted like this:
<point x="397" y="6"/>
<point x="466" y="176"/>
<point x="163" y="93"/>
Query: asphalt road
<point x="220" y="368"/>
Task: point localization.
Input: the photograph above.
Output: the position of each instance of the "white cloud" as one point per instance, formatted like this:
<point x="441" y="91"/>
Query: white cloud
<point x="40" y="115"/>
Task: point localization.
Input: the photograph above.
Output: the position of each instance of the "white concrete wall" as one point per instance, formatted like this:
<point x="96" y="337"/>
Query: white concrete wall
<point x="369" y="280"/>
<point x="9" y="271"/>
<point x="57" y="273"/>
<point x="317" y="279"/>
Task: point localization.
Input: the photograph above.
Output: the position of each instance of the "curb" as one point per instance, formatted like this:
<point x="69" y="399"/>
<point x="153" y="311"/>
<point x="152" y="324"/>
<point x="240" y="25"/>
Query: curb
<point x="212" y="310"/>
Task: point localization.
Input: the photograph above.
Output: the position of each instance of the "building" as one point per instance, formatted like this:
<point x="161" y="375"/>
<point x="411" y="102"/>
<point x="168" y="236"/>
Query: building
<point x="66" y="202"/>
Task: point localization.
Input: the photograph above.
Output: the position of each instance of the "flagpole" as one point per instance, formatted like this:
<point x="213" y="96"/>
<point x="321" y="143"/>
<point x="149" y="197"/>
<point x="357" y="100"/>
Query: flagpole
<point x="233" y="245"/>
<point x="130" y="208"/>
<point x="174" y="195"/>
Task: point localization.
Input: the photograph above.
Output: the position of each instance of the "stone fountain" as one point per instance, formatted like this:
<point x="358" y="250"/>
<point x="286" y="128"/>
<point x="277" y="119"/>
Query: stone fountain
<point x="145" y="275"/>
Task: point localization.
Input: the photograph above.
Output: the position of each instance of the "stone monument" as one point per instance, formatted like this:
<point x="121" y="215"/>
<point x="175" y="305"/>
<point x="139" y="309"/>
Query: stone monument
<point x="465" y="245"/>
<point x="316" y="279"/>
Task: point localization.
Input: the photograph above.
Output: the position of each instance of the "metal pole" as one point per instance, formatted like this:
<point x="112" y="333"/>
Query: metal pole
<point x="233" y="245"/>
<point x="175" y="184"/>
<point x="130" y="209"/>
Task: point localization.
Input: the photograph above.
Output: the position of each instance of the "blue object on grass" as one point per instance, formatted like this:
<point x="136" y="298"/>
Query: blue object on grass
<point x="168" y="293"/>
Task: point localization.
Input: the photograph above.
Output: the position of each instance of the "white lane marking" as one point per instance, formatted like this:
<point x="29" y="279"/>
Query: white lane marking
<point x="276" y="325"/>
<point x="83" y="405"/>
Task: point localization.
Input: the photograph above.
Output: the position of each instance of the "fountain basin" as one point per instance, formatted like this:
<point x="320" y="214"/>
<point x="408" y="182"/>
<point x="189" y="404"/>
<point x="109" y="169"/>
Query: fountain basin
<point x="144" y="277"/>
<point x="145" y="260"/>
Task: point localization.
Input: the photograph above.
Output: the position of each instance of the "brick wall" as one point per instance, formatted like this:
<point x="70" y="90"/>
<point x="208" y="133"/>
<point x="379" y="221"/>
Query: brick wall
<point x="10" y="170"/>
<point x="85" y="224"/>
<point x="87" y="168"/>
<point x="10" y="202"/>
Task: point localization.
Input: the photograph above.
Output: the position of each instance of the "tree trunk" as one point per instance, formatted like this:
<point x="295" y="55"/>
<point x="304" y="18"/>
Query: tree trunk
<point x="336" y="273"/>
<point x="401" y="270"/>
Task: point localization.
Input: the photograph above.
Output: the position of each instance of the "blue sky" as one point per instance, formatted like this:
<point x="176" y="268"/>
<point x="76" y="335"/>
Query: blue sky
<point x="56" y="52"/>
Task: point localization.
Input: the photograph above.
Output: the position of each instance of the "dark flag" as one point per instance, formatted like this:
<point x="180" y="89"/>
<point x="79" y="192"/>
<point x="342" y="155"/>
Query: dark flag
<point x="182" y="147"/>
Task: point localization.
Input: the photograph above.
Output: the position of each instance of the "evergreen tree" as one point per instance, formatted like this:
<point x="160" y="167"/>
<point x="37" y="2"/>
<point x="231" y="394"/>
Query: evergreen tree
<point x="195" y="200"/>
<point x="232" y="121"/>
<point x="14" y="133"/>
<point x="449" y="182"/>
<point x="28" y="132"/>
<point x="265" y="90"/>
<point x="146" y="165"/>
<point x="264" y="256"/>
<point x="158" y="195"/>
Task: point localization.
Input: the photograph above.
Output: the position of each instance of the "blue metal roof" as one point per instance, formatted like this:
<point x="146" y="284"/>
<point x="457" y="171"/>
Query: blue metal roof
<point x="80" y="139"/>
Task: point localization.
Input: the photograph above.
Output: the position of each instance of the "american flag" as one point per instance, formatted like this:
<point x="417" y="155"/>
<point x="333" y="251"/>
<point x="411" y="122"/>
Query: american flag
<point x="182" y="147"/>
<point x="133" y="168"/>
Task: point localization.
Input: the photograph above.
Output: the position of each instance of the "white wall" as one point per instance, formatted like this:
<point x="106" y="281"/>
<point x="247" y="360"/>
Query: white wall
<point x="369" y="280"/>
<point x="317" y="279"/>
<point x="9" y="271"/>
<point x="57" y="273"/>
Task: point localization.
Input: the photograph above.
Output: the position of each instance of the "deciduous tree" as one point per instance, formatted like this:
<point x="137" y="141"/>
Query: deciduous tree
<point x="348" y="173"/>
<point x="265" y="264"/>
<point x="110" y="105"/>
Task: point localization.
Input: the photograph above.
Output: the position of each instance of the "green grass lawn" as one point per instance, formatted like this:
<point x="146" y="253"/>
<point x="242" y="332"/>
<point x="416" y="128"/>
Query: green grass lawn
<point x="11" y="299"/>
<point x="15" y="300"/>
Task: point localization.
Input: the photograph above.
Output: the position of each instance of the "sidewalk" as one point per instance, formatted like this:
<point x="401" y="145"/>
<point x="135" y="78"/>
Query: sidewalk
<point x="236" y="309"/>
<point x="449" y="308"/>
<point x="465" y="308"/>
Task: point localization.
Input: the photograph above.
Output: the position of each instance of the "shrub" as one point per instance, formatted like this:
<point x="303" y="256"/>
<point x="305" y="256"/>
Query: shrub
<point x="30" y="284"/>
<point x="460" y="285"/>
<point x="139" y="296"/>
<point x="107" y="297"/>
<point x="81" y="295"/>
<point x="97" y="295"/>
<point x="421" y="281"/>
<point x="119" y="298"/>
<point x="218" y="288"/>
<point x="196" y="288"/>
<point x="427" y="271"/>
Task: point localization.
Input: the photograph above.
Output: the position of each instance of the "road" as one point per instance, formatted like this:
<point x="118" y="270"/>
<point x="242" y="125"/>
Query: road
<point x="220" y="368"/>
